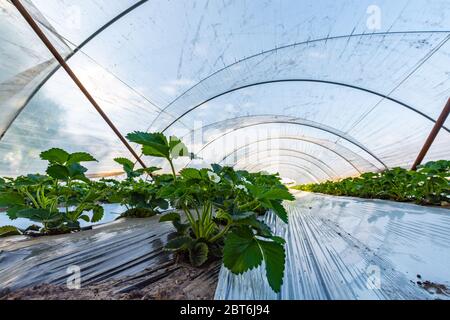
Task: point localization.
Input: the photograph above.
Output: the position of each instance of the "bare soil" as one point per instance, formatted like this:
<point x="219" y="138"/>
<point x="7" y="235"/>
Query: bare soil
<point x="172" y="281"/>
<point x="434" y="288"/>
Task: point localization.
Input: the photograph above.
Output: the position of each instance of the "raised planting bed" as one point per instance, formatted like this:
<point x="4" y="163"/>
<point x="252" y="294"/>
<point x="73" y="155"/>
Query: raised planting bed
<point x="120" y="260"/>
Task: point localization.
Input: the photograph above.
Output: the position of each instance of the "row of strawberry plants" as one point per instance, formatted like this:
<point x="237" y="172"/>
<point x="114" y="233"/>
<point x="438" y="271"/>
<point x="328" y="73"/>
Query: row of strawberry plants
<point x="428" y="185"/>
<point x="216" y="211"/>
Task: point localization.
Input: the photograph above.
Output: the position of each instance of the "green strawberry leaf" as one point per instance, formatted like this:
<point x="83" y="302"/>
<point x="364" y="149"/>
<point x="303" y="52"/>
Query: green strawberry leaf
<point x="85" y="218"/>
<point x="154" y="144"/>
<point x="97" y="213"/>
<point x="279" y="210"/>
<point x="274" y="258"/>
<point x="179" y="244"/>
<point x="9" y="199"/>
<point x="58" y="171"/>
<point x="127" y="164"/>
<point x="55" y="155"/>
<point x="241" y="251"/>
<point x="244" y="251"/>
<point x="78" y="157"/>
<point x="191" y="173"/>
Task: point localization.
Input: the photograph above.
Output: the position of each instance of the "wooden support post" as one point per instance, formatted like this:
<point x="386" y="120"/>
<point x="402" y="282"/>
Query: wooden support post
<point x="434" y="132"/>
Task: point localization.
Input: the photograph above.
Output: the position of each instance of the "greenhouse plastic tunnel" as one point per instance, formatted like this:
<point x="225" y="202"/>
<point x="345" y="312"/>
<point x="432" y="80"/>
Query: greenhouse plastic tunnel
<point x="311" y="92"/>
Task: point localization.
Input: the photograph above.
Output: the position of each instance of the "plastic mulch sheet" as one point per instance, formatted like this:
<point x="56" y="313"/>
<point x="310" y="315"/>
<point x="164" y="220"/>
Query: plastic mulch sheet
<point x="348" y="248"/>
<point x="116" y="250"/>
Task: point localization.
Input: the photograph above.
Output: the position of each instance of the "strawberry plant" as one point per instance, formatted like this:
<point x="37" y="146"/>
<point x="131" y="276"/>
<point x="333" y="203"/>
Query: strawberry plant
<point x="55" y="200"/>
<point x="31" y="197"/>
<point x="139" y="197"/>
<point x="157" y="145"/>
<point x="131" y="172"/>
<point x="66" y="166"/>
<point x="221" y="220"/>
<point x="221" y="208"/>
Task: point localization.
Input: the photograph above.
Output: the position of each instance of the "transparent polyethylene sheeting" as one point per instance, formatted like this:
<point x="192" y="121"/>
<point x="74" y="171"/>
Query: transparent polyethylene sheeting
<point x="360" y="83"/>
<point x="348" y="248"/>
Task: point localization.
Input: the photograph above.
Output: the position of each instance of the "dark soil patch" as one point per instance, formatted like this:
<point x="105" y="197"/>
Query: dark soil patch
<point x="434" y="288"/>
<point x="172" y="281"/>
<point x="138" y="213"/>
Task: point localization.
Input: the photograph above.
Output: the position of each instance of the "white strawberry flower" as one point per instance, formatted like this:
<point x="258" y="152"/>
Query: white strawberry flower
<point x="244" y="180"/>
<point x="213" y="177"/>
<point x="241" y="187"/>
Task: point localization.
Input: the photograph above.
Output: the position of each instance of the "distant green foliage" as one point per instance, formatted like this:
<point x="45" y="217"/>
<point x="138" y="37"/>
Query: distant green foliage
<point x="128" y="168"/>
<point x="429" y="185"/>
<point x="137" y="194"/>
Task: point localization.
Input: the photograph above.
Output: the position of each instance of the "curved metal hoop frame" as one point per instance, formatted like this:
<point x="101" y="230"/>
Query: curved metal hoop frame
<point x="140" y="3"/>
<point x="280" y="149"/>
<point x="295" y="44"/>
<point x="292" y="156"/>
<point x="287" y="164"/>
<point x="299" y="80"/>
<point x="277" y="162"/>
<point x="304" y="140"/>
<point x="312" y="125"/>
